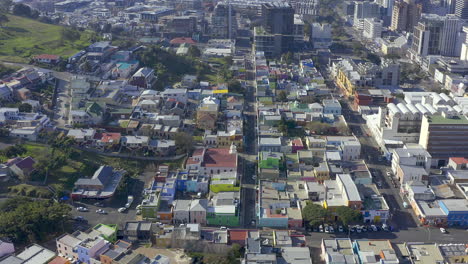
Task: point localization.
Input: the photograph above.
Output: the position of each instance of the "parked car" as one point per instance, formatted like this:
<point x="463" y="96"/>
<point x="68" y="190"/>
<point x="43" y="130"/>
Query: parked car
<point x="122" y="209"/>
<point x="374" y="228"/>
<point x="321" y="228"/>
<point x="385" y="227"/>
<point x="332" y="230"/>
<point x="443" y="231"/>
<point x="340" y="229"/>
<point x="364" y="229"/>
<point x="358" y="229"/>
<point x="99" y="204"/>
<point x="327" y="229"/>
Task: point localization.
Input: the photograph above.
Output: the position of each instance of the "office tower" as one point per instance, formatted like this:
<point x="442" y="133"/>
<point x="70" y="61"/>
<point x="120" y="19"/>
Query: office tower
<point x="461" y="9"/>
<point x="223" y="22"/>
<point x="399" y="16"/>
<point x="464" y="45"/>
<point x="405" y="15"/>
<point x="363" y="10"/>
<point x="450" y="36"/>
<point x="444" y="136"/>
<point x="305" y="7"/>
<point x="372" y="28"/>
<point x="276" y="35"/>
<point x="278" y="18"/>
<point x="427" y="35"/>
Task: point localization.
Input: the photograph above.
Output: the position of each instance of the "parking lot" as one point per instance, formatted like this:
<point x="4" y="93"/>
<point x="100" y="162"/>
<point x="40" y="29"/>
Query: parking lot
<point x="111" y="206"/>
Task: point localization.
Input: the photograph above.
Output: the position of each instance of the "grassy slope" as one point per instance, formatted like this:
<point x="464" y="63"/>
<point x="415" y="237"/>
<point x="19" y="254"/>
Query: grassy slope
<point x="21" y="38"/>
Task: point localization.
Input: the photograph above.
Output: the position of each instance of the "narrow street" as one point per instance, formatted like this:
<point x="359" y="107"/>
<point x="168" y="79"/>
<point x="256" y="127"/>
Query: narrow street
<point x="249" y="162"/>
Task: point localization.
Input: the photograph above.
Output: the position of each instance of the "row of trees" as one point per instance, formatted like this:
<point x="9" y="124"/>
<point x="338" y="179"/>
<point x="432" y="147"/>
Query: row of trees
<point x="316" y="214"/>
<point x="26" y="221"/>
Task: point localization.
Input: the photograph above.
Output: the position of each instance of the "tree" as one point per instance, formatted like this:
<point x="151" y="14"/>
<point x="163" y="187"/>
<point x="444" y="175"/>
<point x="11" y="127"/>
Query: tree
<point x="5" y="6"/>
<point x="87" y="67"/>
<point x="3" y="19"/>
<point x="25" y="107"/>
<point x="194" y="51"/>
<point x="14" y="151"/>
<point x="315" y="214"/>
<point x="27" y="221"/>
<point x="288" y="57"/>
<point x="348" y="215"/>
<point x="183" y="142"/>
<point x="234" y="86"/>
<point x="282" y="97"/>
<point x="25" y="11"/>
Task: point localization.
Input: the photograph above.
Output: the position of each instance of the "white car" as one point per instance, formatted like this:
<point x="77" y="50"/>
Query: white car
<point x="122" y="209"/>
<point x="374" y="228"/>
<point x="254" y="177"/>
<point x="101" y="211"/>
<point x="388" y="173"/>
<point x="82" y="209"/>
<point x="340" y="229"/>
<point x="358" y="229"/>
<point x="443" y="231"/>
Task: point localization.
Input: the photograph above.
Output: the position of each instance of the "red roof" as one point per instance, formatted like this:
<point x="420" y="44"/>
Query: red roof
<point x="182" y="41"/>
<point x="297" y="142"/>
<point x="108" y="137"/>
<point x="47" y="57"/>
<point x="459" y="160"/>
<point x="238" y="235"/>
<point x="217" y="157"/>
<point x="59" y="260"/>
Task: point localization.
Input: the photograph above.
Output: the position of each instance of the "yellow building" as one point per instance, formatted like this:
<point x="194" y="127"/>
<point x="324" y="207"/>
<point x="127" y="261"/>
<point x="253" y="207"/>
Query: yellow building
<point x="226" y="139"/>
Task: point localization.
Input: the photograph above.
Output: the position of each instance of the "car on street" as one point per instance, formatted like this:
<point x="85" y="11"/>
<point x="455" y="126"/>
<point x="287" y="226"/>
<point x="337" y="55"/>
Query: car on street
<point x="99" y="204"/>
<point x="82" y="209"/>
<point x="122" y="209"/>
<point x="327" y="229"/>
<point x="321" y="228"/>
<point x="101" y="211"/>
<point x="389" y="174"/>
<point x="79" y="218"/>
<point x="340" y="229"/>
<point x="332" y="230"/>
<point x="254" y="177"/>
<point x="364" y="229"/>
<point x="443" y="230"/>
<point x="374" y="228"/>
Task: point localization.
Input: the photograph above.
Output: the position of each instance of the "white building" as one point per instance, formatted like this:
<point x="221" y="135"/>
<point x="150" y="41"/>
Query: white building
<point x="411" y="163"/>
<point x="372" y="28"/>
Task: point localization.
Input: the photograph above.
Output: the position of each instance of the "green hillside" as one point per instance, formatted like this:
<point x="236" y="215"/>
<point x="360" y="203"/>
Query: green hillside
<point x="21" y="38"/>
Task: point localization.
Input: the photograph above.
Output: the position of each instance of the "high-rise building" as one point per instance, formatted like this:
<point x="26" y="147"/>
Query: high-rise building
<point x="444" y="136"/>
<point x="450" y="36"/>
<point x="372" y="28"/>
<point x="461" y="9"/>
<point x="305" y="7"/>
<point x="464" y="45"/>
<point x="405" y="15"/>
<point x="363" y="10"/>
<point x="223" y="22"/>
<point x="278" y="18"/>
<point x="276" y="35"/>
<point x="427" y="35"/>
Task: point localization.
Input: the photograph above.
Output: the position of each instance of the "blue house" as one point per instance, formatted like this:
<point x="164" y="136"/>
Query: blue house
<point x="456" y="211"/>
<point x="182" y="182"/>
<point x="168" y="191"/>
<point x="331" y="106"/>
